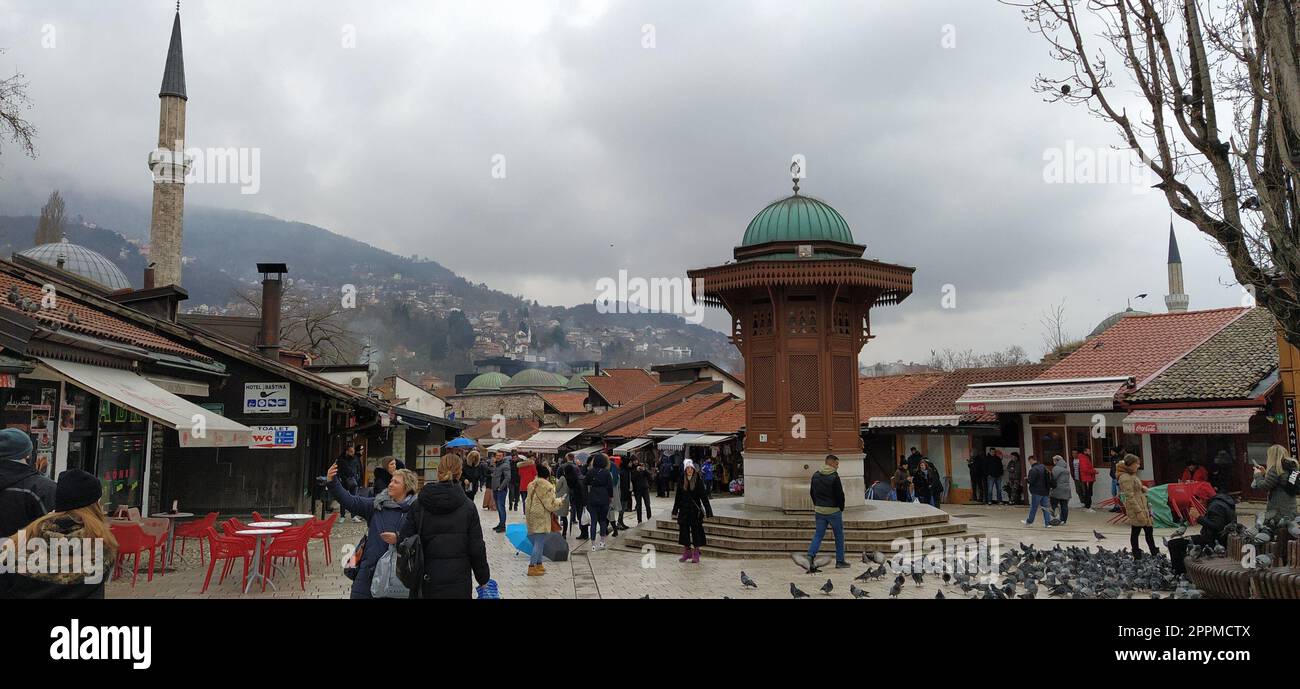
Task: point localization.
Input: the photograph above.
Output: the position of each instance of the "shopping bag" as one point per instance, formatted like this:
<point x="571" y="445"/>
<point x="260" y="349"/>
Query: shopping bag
<point x="385" y="583"/>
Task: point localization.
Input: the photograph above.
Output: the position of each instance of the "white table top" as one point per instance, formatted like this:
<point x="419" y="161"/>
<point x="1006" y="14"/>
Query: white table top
<point x="268" y="525"/>
<point x="172" y="515"/>
<point x="294" y="516"/>
<point x="259" y="532"/>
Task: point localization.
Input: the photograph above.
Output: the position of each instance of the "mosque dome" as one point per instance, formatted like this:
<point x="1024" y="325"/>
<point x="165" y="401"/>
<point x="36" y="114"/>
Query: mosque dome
<point x="79" y="260"/>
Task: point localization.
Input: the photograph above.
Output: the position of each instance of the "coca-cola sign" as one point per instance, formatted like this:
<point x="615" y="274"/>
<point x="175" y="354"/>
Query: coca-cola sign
<point x="977" y="407"/>
<point x="1146" y="427"/>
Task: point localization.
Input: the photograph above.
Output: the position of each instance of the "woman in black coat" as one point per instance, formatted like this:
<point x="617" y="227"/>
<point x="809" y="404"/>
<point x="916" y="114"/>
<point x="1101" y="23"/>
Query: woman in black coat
<point x="600" y="493"/>
<point x="690" y="507"/>
<point x="450" y="534"/>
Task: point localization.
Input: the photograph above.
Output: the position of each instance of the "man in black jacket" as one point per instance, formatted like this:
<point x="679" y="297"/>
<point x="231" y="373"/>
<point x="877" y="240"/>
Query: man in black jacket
<point x="349" y="477"/>
<point x="828" y="502"/>
<point x="993" y="477"/>
<point x="25" y="494"/>
<point x="1039" y="482"/>
<point x="976" y="466"/>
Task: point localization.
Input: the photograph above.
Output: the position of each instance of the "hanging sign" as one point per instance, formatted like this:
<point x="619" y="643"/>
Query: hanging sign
<point x="266" y="398"/>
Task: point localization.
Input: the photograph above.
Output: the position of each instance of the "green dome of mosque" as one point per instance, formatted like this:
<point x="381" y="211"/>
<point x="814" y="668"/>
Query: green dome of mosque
<point x="536" y="378"/>
<point x="797" y="218"/>
<point x="488" y="381"/>
<point x="577" y="383"/>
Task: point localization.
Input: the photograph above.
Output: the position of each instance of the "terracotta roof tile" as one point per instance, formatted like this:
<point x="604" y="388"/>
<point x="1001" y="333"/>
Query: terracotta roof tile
<point x="618" y="385"/>
<point x="681" y="415"/>
<point x="566" y="402"/>
<point x="879" y="395"/>
<point x="1139" y="346"/>
<point x="643" y="405"/>
<point x="1227" y="366"/>
<point x="938" y="399"/>
<point x="90" y="321"/>
<point x="728" y="417"/>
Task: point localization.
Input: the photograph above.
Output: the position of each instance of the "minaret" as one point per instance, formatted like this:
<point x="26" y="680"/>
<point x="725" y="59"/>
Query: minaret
<point x="1176" y="300"/>
<point x="169" y="165"/>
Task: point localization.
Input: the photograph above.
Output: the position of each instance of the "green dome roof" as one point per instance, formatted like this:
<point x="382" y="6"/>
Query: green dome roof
<point x="536" y="378"/>
<point x="797" y="219"/>
<point x="577" y="383"/>
<point x="488" y="381"/>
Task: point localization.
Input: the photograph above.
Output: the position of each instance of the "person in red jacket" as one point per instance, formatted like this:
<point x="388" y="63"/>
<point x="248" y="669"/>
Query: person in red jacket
<point x="1084" y="475"/>
<point x="527" y="468"/>
<point x="1194" y="471"/>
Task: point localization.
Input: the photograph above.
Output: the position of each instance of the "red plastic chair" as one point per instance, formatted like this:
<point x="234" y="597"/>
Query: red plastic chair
<point x="132" y="540"/>
<point x="291" y="545"/>
<point x="228" y="549"/>
<point x="257" y="517"/>
<point x="323" y="530"/>
<point x="230" y="526"/>
<point x="197" y="530"/>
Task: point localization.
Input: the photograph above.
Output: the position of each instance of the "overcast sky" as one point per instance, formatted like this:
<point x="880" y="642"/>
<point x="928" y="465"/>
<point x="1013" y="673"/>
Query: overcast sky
<point x="636" y="135"/>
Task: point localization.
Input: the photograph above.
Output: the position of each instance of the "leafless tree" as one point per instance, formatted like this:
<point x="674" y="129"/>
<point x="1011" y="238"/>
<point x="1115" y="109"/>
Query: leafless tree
<point x="14" y="100"/>
<point x="1053" y="321"/>
<point x="951" y="360"/>
<point x="49" y="227"/>
<point x="318" y="327"/>
<point x="1219" y="87"/>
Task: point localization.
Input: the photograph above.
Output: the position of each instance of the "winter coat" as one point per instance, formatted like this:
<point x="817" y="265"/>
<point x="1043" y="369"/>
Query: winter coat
<point x="706" y="470"/>
<point x="1281" y="504"/>
<point x="1061" y="481"/>
<point x="527" y="473"/>
<point x="349" y="471"/>
<point x="25" y="496"/>
<point x="976" y="466"/>
<point x="453" y="541"/>
<point x="691" y="504"/>
<point x="1039" y="480"/>
<point x="1134" y="496"/>
<point x="640" y="478"/>
<point x="922" y="483"/>
<point x="36" y="584"/>
<point x="1195" y="473"/>
<point x="473" y="474"/>
<point x="1083" y="464"/>
<point x="513" y="464"/>
<point x="577" y="489"/>
<point x="993" y="466"/>
<point x="500" y="475"/>
<point x="1015" y="474"/>
<point x="616" y="494"/>
<point x="1219" y="513"/>
<point x="913" y="461"/>
<point x="540" y="505"/>
<point x="383" y="515"/>
<point x="826" y="491"/>
<point x="600" y="485"/>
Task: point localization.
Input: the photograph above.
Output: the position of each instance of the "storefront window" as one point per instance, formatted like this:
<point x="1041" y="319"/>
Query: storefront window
<point x="120" y="449"/>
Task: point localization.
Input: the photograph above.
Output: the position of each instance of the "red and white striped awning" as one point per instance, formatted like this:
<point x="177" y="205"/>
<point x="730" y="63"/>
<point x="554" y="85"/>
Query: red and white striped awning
<point x="1085" y="394"/>
<point x="1230" y="420"/>
<point x="914" y="421"/>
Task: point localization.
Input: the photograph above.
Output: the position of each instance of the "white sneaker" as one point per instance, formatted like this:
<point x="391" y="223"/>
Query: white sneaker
<point x="357" y="519"/>
<point x="1048" y="526"/>
<point x="1026" y="522"/>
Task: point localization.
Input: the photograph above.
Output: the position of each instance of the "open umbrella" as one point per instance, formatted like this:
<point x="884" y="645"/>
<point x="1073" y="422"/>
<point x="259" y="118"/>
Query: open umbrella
<point x="461" y="441"/>
<point x="517" y="535"/>
<point x="554" y="548"/>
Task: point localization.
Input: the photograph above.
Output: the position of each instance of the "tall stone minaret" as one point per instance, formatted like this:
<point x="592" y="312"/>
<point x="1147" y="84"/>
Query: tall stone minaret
<point x="1176" y="300"/>
<point x="169" y="165"/>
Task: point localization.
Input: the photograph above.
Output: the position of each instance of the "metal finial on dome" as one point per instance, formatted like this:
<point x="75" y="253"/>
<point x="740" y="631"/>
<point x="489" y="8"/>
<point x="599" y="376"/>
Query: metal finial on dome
<point x="794" y="174"/>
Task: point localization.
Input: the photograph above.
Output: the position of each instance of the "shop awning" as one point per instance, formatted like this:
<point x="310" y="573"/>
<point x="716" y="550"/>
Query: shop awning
<point x="1225" y="420"/>
<point x="550" y="439"/>
<point x="505" y="446"/>
<point x="134" y="392"/>
<point x="591" y="450"/>
<point x="707" y="440"/>
<point x="631" y="446"/>
<point x="659" y="433"/>
<point x="913" y="421"/>
<point x="678" y="441"/>
<point x="1086" y="394"/>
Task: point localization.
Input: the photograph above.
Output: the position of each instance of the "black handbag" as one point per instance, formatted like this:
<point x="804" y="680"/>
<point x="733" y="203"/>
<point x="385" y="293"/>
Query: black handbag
<point x="410" y="555"/>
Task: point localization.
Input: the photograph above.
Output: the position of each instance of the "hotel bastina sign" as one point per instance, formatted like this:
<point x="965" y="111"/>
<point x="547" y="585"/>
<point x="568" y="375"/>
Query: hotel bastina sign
<point x="266" y="398"/>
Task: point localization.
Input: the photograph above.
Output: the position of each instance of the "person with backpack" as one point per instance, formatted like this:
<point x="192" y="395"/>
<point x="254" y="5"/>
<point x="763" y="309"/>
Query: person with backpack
<point x="600" y="493"/>
<point x="25" y="494"/>
<point x="1136" y="509"/>
<point x="1278" y="478"/>
<point x="1060" y="488"/>
<point x="384" y="513"/>
<point x="539" y="508"/>
<point x="451" y="548"/>
<point x="1039" y="483"/>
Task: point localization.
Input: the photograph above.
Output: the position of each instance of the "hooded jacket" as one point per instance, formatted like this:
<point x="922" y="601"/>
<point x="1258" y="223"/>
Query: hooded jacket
<point x="540" y="505"/>
<point x="1039" y="480"/>
<point x="1281" y="504"/>
<point x="527" y="473"/>
<point x="33" y="584"/>
<point x="1084" y="467"/>
<point x="826" y="491"/>
<point x="1134" y="496"/>
<point x="1061" y="481"/>
<point x="381" y="515"/>
<point x="993" y="466"/>
<point x="453" y="541"/>
<point x="573" y="479"/>
<point x="600" y="485"/>
<point x="25" y="496"/>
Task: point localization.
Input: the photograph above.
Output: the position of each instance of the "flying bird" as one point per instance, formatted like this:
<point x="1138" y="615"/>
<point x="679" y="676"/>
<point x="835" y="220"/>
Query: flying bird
<point x="746" y="581"/>
<point x="796" y="593"/>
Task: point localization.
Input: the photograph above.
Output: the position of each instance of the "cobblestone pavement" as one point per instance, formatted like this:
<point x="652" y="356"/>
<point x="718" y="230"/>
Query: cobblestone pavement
<point x="627" y="573"/>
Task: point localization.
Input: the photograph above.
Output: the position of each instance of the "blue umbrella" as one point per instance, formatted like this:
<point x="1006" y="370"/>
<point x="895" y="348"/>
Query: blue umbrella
<point x="517" y="535"/>
<point x="555" y="549"/>
<point x="461" y="441"/>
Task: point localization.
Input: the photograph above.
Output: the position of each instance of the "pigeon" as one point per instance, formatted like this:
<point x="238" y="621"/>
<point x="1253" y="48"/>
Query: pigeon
<point x="645" y="597"/>
<point x="828" y="587"/>
<point x="1250" y="204"/>
<point x="746" y="581"/>
<point x="15" y="296"/>
<point x="1098" y="535"/>
<point x="1065" y="89"/>
<point x="899" y="579"/>
<point x="918" y="576"/>
<point x="72" y="318"/>
<point x="796" y="593"/>
<point x="938" y="595"/>
<point x="1027" y="595"/>
<point x="857" y="592"/>
<point x="1191" y="101"/>
<point x="1182" y="529"/>
<point x="895" y="589"/>
<point x="947" y="578"/>
<point x="865" y="576"/>
<point x="869" y="556"/>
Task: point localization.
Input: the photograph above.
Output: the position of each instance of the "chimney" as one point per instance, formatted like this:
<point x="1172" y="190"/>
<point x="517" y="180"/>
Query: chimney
<point x="272" y="291"/>
<point x="148" y="276"/>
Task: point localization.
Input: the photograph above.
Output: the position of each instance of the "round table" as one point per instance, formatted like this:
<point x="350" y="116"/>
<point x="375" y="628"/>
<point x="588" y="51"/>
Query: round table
<point x="171" y="518"/>
<point x="294" y="517"/>
<point x="260" y="535"/>
<point x="269" y="525"/>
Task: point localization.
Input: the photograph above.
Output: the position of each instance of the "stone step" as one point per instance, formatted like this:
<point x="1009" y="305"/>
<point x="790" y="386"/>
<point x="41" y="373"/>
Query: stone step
<point x="797" y="521"/>
<point x="804" y="531"/>
<point x="740" y="550"/>
<point x="781" y="545"/>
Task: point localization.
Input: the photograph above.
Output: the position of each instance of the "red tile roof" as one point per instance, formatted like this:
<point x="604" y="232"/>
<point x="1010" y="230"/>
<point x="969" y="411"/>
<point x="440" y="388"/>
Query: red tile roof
<point x="728" y="417"/>
<point x="1141" y="346"/>
<point x="566" y="402"/>
<point x="618" y="385"/>
<point x="90" y="321"/>
<point x="516" y="429"/>
<point x="879" y="395"/>
<point x="682" y="415"/>
<point x="939" y="398"/>
<point x="643" y="405"/>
